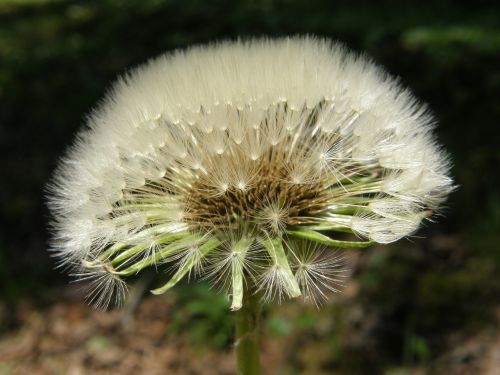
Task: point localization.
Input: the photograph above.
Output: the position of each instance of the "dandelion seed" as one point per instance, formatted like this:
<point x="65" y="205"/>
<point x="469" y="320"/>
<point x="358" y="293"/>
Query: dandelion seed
<point x="104" y="287"/>
<point x="272" y="216"/>
<point x="212" y="162"/>
<point x="318" y="269"/>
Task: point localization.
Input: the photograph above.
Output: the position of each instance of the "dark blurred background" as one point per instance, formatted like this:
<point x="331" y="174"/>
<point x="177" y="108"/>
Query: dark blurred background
<point x="429" y="304"/>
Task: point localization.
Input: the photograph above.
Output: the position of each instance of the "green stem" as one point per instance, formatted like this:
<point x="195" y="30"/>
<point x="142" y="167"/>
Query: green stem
<point x="247" y="335"/>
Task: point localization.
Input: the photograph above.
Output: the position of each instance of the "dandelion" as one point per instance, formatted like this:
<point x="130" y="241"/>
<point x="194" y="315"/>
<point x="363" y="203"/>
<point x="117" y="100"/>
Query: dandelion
<point x="241" y="163"/>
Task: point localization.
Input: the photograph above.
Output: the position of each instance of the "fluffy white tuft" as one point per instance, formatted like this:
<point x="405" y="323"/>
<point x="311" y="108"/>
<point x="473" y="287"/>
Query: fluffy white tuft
<point x="254" y="137"/>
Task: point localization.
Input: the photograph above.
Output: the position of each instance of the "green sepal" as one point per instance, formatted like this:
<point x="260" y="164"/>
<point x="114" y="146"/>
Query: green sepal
<point x="167" y="251"/>
<point x="323" y="227"/>
<point x="187" y="266"/>
<point x="237" y="270"/>
<point x="237" y="286"/>
<point x="275" y="249"/>
<point x="313" y="236"/>
<point x="164" y="239"/>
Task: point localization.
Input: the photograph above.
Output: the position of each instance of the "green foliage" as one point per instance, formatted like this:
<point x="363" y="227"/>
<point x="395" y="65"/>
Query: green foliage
<point x="202" y="315"/>
<point x="5" y="368"/>
<point x="483" y="236"/>
<point x="421" y="294"/>
<point x="451" y="42"/>
<point x="98" y="343"/>
<point x="278" y="326"/>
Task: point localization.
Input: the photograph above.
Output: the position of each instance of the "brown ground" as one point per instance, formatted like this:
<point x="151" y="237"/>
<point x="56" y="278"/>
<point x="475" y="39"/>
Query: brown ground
<point x="70" y="338"/>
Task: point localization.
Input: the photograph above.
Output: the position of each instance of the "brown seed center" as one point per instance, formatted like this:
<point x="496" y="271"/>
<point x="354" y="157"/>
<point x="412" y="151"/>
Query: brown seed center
<point x="269" y="188"/>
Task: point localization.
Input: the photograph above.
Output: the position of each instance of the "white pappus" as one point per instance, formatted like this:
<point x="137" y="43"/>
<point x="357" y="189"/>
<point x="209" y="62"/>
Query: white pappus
<point x="243" y="162"/>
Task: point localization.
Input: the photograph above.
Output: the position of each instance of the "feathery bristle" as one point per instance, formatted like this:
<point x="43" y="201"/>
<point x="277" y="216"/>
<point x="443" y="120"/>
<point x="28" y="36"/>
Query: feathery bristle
<point x="245" y="143"/>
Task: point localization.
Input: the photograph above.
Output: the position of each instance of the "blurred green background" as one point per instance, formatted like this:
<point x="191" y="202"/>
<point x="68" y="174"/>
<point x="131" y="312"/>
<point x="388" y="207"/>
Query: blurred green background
<point x="425" y="305"/>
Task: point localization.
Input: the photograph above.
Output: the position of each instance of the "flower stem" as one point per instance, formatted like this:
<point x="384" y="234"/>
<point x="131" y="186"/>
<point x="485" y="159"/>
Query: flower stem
<point x="247" y="335"/>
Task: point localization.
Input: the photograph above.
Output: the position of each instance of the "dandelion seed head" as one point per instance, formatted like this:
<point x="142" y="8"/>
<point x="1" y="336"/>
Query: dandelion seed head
<point x="230" y="145"/>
